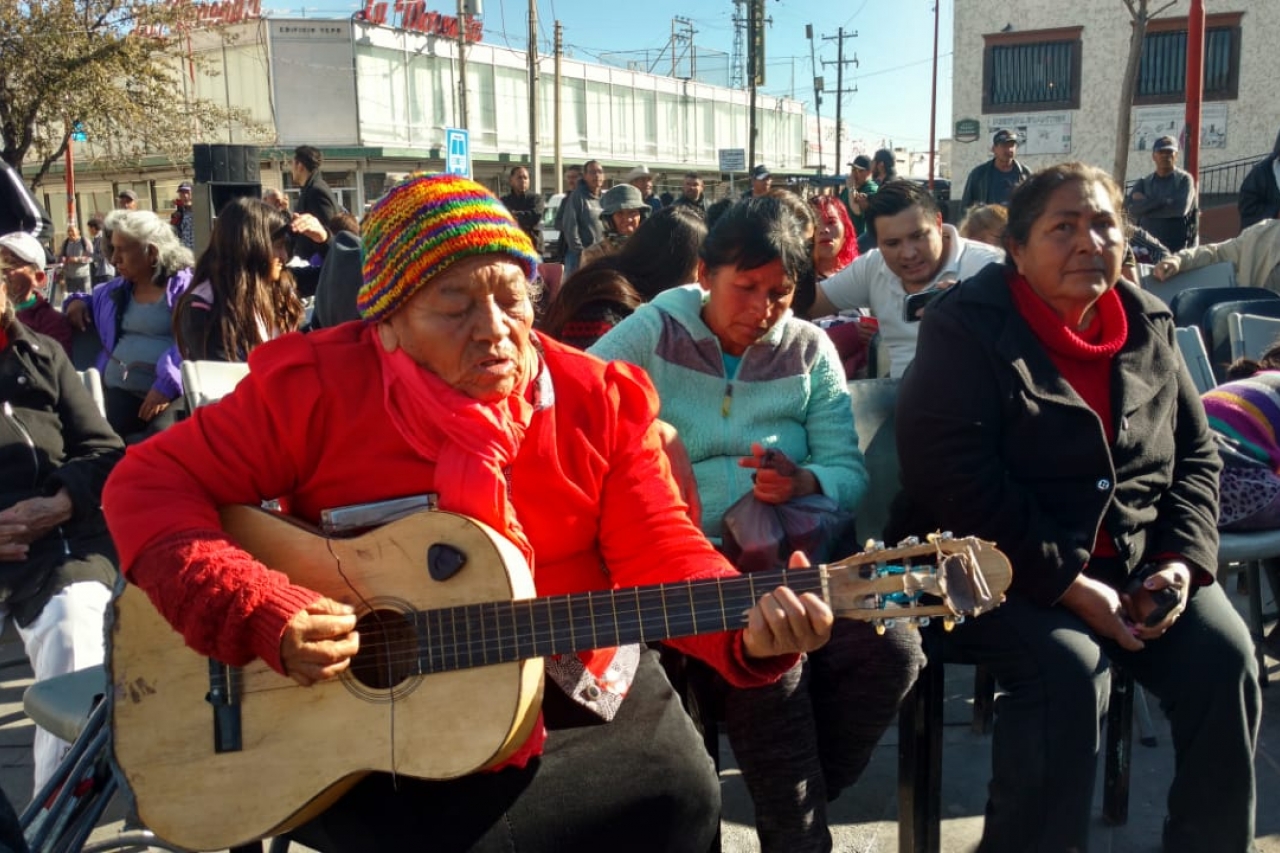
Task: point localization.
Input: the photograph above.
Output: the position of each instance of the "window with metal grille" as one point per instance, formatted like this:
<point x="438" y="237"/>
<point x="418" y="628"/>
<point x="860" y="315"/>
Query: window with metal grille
<point x="1031" y="71"/>
<point x="1162" y="73"/>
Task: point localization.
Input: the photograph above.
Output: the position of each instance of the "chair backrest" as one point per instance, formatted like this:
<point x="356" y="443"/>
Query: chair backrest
<point x="1216" y="327"/>
<point x="1190" y="305"/>
<point x="93" y="382"/>
<point x="874" y="404"/>
<point x="1252" y="335"/>
<point x="205" y="382"/>
<point x="1191" y="345"/>
<point x="1221" y="274"/>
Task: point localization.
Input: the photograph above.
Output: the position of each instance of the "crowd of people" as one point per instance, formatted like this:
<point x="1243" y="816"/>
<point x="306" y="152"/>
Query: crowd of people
<point x="434" y="364"/>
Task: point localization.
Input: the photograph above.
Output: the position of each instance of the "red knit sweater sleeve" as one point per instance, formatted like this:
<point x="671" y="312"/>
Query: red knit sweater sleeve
<point x="646" y="536"/>
<point x="161" y="505"/>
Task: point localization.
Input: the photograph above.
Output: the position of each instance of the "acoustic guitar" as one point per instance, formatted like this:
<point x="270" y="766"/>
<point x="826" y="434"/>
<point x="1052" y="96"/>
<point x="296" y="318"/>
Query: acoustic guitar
<point x="449" y="675"/>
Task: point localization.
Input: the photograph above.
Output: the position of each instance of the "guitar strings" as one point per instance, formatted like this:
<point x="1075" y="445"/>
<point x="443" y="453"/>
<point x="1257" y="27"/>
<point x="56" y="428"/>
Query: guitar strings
<point x="337" y="561"/>
<point x="468" y="649"/>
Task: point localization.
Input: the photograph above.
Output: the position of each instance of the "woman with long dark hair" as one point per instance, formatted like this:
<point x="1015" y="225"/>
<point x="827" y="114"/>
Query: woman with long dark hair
<point x="662" y="254"/>
<point x="245" y="296"/>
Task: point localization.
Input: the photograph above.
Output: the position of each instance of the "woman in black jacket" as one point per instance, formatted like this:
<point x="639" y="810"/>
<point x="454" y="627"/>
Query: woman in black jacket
<point x="57" y="564"/>
<point x="1047" y="409"/>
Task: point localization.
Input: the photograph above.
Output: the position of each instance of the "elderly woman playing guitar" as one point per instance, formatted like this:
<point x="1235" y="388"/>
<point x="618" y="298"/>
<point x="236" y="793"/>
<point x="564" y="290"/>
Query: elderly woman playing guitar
<point x="445" y="389"/>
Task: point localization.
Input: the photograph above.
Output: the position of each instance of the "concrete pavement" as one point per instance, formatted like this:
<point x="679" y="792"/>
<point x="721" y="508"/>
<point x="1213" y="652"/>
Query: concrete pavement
<point x="865" y="818"/>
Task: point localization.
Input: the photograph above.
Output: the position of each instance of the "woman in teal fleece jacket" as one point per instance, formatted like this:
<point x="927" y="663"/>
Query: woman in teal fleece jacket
<point x="737" y="374"/>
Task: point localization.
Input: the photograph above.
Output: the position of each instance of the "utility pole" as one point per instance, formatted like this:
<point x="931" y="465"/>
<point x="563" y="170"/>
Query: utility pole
<point x="559" y="51"/>
<point x="535" y="164"/>
<point x="840" y="92"/>
<point x="817" y="95"/>
<point x="755" y="69"/>
<point x="737" y="71"/>
<point x="682" y="31"/>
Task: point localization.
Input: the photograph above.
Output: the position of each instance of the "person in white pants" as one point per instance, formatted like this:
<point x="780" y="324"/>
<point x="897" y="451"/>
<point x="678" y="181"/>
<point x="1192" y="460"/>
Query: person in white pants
<point x="57" y="562"/>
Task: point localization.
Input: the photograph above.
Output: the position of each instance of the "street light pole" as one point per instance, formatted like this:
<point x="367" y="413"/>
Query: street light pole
<point x="933" y="98"/>
<point x="817" y="96"/>
<point x="535" y="164"/>
<point x="462" y="64"/>
<point x="753" y="23"/>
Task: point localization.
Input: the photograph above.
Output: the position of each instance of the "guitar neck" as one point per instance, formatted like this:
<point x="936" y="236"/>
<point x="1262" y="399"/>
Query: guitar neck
<point x="504" y="631"/>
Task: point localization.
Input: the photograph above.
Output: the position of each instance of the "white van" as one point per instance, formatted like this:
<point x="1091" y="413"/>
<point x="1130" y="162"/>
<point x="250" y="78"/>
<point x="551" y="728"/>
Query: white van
<point x="551" y="236"/>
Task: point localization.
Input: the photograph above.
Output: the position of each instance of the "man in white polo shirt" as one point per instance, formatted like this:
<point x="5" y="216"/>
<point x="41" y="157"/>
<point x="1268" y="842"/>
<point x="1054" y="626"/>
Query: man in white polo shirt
<point x="915" y="253"/>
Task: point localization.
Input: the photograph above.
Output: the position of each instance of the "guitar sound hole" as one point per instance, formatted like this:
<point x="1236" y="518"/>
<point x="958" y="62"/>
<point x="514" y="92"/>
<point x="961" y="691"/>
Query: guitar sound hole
<point x="388" y="650"/>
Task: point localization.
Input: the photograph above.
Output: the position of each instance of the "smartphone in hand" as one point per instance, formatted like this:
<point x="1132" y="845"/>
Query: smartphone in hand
<point x="914" y="307"/>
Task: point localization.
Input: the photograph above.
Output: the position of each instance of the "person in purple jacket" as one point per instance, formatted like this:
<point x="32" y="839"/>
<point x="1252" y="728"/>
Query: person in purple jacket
<point x="133" y="314"/>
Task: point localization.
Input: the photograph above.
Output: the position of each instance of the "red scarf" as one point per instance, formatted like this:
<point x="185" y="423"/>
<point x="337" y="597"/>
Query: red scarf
<point x="1082" y="357"/>
<point x="471" y="442"/>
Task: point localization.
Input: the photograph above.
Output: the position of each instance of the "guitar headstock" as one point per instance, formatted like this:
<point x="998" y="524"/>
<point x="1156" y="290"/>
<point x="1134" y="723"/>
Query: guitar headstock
<point x="916" y="581"/>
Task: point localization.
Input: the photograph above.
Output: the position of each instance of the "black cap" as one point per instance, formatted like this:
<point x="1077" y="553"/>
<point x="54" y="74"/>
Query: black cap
<point x="862" y="161"/>
<point x="1002" y="136"/>
<point x="1165" y="143"/>
<point x="759" y="173"/>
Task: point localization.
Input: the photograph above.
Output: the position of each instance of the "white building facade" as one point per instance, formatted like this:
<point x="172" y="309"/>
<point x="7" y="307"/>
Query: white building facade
<point x="377" y="100"/>
<point x="1053" y="71"/>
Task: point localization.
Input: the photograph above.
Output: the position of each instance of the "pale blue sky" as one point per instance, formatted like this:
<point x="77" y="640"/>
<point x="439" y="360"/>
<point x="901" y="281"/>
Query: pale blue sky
<point x="894" y="48"/>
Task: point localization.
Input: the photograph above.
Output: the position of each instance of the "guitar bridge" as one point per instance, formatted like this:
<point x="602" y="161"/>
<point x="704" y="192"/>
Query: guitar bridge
<point x="224" y="695"/>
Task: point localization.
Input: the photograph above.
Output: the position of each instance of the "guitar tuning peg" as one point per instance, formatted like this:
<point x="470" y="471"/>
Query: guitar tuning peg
<point x="909" y="542"/>
<point x="923" y="621"/>
<point x="947" y="534"/>
<point x="873" y="545"/>
<point x="879" y="625"/>
<point x="948" y="623"/>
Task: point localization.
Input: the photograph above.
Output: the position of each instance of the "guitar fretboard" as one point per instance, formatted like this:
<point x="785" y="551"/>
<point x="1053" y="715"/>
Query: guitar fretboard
<point x="475" y="635"/>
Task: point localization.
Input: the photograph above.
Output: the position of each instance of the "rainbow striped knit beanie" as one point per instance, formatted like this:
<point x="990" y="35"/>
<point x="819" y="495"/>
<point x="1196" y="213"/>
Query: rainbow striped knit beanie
<point x="421" y="227"/>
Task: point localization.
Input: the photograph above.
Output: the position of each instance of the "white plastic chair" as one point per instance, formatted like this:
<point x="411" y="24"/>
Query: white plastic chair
<point x="1191" y="345"/>
<point x="205" y="382"/>
<point x="1251" y="335"/>
<point x="92" y="380"/>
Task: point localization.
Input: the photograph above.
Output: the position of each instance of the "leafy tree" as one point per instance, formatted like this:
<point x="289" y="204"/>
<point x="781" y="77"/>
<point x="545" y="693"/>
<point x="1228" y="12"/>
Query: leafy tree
<point x="113" y="67"/>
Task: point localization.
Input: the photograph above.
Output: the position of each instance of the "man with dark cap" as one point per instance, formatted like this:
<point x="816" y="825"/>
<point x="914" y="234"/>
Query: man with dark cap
<point x="127" y="199"/>
<point x="994" y="180"/>
<point x="858" y="190"/>
<point x="761" y="182"/>
<point x="1164" y="203"/>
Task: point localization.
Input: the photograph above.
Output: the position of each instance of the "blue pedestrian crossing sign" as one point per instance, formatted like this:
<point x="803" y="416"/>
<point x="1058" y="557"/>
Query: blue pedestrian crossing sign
<point x="457" y="143"/>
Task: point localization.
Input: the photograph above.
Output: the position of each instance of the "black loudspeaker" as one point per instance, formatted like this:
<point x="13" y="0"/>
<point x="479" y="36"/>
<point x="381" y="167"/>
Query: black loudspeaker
<point x="218" y="163"/>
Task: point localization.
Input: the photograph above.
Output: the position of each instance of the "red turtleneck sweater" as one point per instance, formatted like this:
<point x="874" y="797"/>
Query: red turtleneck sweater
<point x="1082" y="357"/>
